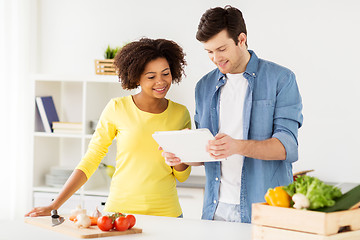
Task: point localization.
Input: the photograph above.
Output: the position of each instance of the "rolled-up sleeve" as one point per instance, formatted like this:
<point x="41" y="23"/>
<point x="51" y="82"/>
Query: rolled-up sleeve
<point x="288" y="117"/>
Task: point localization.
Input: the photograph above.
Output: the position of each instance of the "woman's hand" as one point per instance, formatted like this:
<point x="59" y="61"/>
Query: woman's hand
<point x="173" y="161"/>
<point x="74" y="183"/>
<point x="39" y="211"/>
<point x="170" y="158"/>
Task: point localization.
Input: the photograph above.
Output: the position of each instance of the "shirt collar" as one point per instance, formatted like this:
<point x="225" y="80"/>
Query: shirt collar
<point x="220" y="75"/>
<point x="251" y="67"/>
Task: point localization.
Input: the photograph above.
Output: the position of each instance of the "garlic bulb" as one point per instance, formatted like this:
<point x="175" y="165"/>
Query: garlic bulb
<point x="96" y="213"/>
<point x="83" y="220"/>
<point x="78" y="210"/>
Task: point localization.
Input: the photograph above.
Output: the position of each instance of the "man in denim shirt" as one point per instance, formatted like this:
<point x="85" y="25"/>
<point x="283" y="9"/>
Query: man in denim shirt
<point x="253" y="108"/>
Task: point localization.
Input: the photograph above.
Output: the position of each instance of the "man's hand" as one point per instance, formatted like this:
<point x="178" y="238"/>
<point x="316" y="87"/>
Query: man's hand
<point x="222" y="146"/>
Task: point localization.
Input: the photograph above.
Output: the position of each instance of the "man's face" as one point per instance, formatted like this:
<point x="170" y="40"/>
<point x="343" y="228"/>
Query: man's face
<point x="226" y="55"/>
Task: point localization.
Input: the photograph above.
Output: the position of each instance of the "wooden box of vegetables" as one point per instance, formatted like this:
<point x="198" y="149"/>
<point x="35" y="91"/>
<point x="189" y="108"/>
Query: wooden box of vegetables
<point x="322" y="212"/>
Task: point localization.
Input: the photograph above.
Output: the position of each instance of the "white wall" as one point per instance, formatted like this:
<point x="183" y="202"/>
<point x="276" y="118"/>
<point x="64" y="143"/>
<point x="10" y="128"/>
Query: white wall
<point x="318" y="40"/>
<point x="16" y="108"/>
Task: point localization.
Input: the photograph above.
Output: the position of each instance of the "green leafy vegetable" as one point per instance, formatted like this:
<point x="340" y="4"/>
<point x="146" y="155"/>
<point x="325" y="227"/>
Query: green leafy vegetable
<point x="318" y="193"/>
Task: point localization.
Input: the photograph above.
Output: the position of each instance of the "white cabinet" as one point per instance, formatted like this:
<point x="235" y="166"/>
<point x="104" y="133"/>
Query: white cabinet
<point x="45" y="198"/>
<point x="191" y="202"/>
<point x="93" y="201"/>
<point x="88" y="202"/>
<point x="77" y="99"/>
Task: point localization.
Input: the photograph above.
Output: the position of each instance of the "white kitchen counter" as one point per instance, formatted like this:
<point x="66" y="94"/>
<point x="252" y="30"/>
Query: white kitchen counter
<point x="154" y="228"/>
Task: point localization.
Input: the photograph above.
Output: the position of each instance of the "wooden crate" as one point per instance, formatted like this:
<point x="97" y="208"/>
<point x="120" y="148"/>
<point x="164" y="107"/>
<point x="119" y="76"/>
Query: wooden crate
<point x="270" y="223"/>
<point x="271" y="233"/>
<point x="105" y="67"/>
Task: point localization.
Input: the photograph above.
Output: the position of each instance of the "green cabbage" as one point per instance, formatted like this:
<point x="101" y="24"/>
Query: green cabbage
<point x="318" y="193"/>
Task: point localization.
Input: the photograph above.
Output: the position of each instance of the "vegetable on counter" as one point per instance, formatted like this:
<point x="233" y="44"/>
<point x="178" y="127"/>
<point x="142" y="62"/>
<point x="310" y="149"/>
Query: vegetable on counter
<point x="121" y="223"/>
<point x="78" y="210"/>
<point x="116" y="221"/>
<point x="278" y="197"/>
<point x="347" y="201"/>
<point x="105" y="223"/>
<point x="83" y="221"/>
<point x="96" y="214"/>
<point x="317" y="192"/>
<point x="92" y="219"/>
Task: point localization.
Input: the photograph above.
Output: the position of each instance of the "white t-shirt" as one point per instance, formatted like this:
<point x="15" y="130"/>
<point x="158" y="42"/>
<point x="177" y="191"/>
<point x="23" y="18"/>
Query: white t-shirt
<point x="232" y="99"/>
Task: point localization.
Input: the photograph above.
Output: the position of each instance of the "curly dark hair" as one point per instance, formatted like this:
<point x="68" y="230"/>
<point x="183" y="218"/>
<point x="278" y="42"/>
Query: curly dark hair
<point x="214" y="20"/>
<point x="131" y="60"/>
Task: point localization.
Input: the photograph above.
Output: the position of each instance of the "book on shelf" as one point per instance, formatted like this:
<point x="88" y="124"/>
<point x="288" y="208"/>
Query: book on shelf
<point x="70" y="131"/>
<point x="47" y="111"/>
<point x="67" y="125"/>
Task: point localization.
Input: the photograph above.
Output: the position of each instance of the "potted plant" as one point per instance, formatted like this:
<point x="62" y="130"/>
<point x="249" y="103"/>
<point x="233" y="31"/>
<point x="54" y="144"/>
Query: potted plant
<point x="106" y="66"/>
<point x="111" y="52"/>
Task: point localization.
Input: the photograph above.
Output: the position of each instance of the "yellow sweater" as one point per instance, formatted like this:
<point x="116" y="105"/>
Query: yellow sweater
<point x="142" y="183"/>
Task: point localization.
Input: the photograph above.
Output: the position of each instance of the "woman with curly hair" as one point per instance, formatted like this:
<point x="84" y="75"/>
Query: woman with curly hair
<point x="142" y="183"/>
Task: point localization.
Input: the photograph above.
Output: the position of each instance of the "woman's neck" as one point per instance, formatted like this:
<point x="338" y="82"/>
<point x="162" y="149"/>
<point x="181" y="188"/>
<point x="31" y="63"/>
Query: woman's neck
<point x="151" y="105"/>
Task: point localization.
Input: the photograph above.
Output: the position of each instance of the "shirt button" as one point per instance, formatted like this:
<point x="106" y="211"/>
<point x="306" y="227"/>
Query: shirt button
<point x="216" y="179"/>
<point x="214" y="201"/>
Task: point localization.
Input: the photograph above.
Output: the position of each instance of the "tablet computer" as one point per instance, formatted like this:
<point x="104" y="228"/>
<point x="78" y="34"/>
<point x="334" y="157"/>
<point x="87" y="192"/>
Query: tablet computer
<point x="188" y="145"/>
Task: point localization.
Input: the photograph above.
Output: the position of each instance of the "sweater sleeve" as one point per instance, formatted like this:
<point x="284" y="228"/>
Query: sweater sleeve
<point x="181" y="176"/>
<point x="101" y="140"/>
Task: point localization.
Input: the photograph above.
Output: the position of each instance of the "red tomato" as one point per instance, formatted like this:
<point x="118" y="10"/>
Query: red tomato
<point x="131" y="219"/>
<point x="105" y="223"/>
<point x="121" y="223"/>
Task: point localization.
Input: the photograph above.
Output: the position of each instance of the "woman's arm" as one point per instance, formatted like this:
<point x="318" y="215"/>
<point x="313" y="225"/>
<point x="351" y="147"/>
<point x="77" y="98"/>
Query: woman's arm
<point x="74" y="183"/>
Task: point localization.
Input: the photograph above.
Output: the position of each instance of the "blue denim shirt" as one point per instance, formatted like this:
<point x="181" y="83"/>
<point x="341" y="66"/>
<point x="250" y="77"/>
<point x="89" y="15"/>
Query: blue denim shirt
<point x="272" y="108"/>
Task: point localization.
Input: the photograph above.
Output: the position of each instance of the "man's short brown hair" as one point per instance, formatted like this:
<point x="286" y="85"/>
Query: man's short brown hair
<point x="214" y="20"/>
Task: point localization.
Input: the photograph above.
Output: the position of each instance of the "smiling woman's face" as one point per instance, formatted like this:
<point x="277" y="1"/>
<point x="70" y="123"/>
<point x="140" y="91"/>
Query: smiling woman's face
<point x="156" y="79"/>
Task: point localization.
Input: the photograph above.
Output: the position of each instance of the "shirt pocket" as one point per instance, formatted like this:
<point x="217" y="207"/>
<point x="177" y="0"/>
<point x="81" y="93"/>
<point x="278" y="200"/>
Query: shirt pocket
<point x="262" y="119"/>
